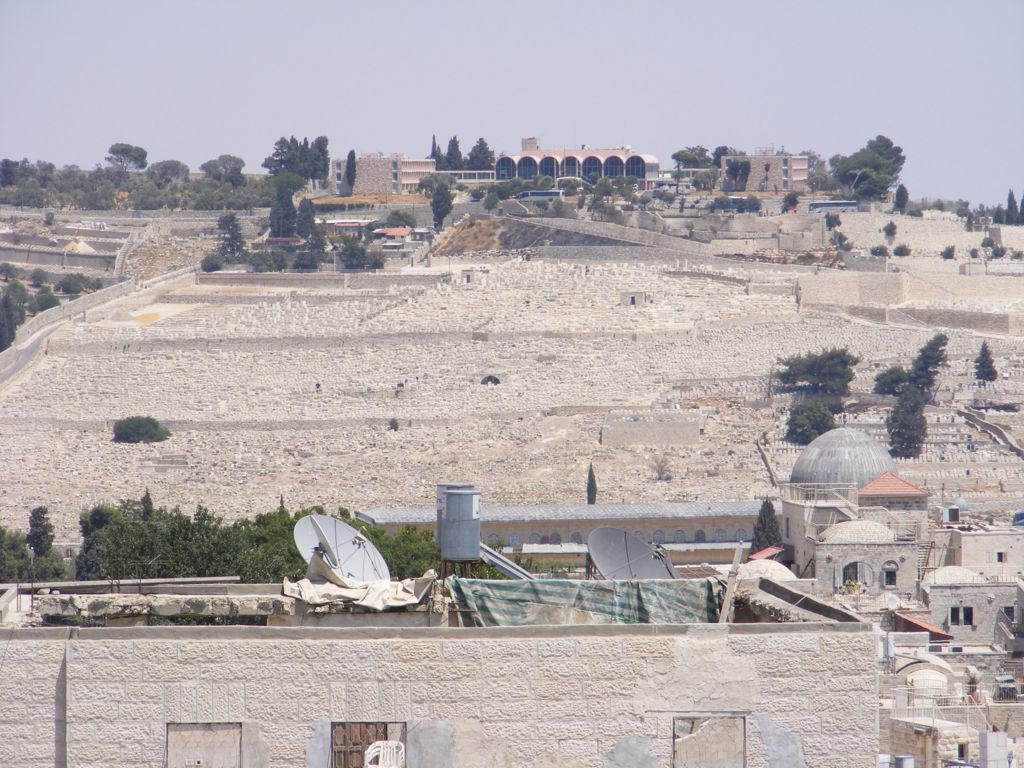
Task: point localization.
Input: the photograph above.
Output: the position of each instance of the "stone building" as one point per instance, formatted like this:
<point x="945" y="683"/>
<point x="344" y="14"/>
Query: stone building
<point x="533" y="162"/>
<point x="966" y="605"/>
<point x="764" y="171"/>
<point x="377" y="173"/>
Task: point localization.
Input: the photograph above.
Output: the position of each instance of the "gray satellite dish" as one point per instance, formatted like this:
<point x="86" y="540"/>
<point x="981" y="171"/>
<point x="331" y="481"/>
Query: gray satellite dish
<point x="342" y="548"/>
<point x="620" y="555"/>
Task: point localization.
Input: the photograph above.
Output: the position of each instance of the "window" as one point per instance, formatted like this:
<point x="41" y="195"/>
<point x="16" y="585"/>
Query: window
<point x="658" y="537"/>
<point x="556" y="538"/>
<point x="700" y="536"/>
<point x="679" y="536"/>
<point x="741" y="534"/>
<point x="1009" y="611"/>
<point x="1000" y="557"/>
<point x="787" y="527"/>
<point x="961" y="751"/>
<point x="493" y="540"/>
<point x="720" y="534"/>
<point x="514" y="540"/>
<point x="349" y="741"/>
<point x="889" y="571"/>
<point x="535" y="538"/>
<point x="576" y="537"/>
<point x="968" y="615"/>
<point x="954" y="617"/>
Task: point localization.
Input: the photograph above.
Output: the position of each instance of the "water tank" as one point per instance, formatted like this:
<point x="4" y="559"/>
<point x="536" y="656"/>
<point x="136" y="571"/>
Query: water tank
<point x="903" y="761"/>
<point x="459" y="537"/>
<point x="439" y="502"/>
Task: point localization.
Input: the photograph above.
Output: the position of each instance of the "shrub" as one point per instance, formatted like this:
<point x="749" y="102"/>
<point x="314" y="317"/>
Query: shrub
<point x="891" y="381"/>
<point x="393" y="424"/>
<point x="140" y="429"/>
<point x="974" y="253"/>
<point x="48" y="219"/>
<point x="998" y="252"/>
<point x="949" y="252"/>
<point x="901" y="250"/>
<point x="879" y="250"/>
<point x="211" y="263"/>
<point x="890" y="230"/>
<point x="807" y="421"/>
<point x="832" y="220"/>
<point x="72" y="285"/>
<point x="988" y="242"/>
<point x="38" y="277"/>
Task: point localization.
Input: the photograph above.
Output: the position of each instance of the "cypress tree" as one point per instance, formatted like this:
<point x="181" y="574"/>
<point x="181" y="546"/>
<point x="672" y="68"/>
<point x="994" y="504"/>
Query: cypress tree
<point x="766" y="529"/>
<point x="1012" y="211"/>
<point x="40" y="531"/>
<point x="591" y="486"/>
<point x="350" y="169"/>
<point x="906" y="425"/>
<point x="902" y="198"/>
<point x="282" y="213"/>
<point x="453" y="157"/>
<point x="984" y="365"/>
<point x="305" y="221"/>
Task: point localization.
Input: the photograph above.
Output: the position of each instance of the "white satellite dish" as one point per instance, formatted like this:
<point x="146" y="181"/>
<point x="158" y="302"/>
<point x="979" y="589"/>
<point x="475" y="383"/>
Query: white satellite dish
<point x="341" y="547"/>
<point x="892" y="602"/>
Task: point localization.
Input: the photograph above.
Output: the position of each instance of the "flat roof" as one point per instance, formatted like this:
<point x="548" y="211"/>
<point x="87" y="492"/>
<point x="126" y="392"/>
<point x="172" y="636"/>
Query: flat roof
<point x="667" y="510"/>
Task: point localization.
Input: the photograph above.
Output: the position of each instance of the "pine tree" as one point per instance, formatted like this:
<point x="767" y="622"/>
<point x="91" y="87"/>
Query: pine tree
<point x="984" y="365"/>
<point x="925" y="368"/>
<point x="906" y="425"/>
<point x="305" y="219"/>
<point x="440" y="205"/>
<point x="453" y="157"/>
<point x="902" y="198"/>
<point x="1012" y="211"/>
<point x="282" y="213"/>
<point x="591" y="486"/>
<point x="40" y="531"/>
<point x="480" y="157"/>
<point x="766" y="529"/>
<point x="350" y="169"/>
<point x="231" y="246"/>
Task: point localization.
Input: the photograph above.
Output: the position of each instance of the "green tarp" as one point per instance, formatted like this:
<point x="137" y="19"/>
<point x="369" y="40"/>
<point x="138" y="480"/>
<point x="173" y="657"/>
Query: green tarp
<point x="487" y="603"/>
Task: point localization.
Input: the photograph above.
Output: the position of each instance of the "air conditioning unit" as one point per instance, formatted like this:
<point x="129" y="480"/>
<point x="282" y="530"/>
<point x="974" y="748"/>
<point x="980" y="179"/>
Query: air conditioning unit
<point x="936" y="648"/>
<point x="951" y="515"/>
<point x="956" y="649"/>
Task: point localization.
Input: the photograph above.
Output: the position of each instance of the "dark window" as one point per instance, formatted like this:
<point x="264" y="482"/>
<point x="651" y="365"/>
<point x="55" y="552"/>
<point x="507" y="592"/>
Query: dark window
<point x="349" y="741"/>
<point x="1000" y="557"/>
<point x="968" y="615"/>
<point x="890" y="578"/>
<point x="954" y="616"/>
<point x="1008" y="611"/>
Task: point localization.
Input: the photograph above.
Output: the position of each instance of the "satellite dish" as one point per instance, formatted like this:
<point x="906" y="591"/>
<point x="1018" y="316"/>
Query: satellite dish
<point x="341" y="547"/>
<point x="892" y="602"/>
<point x="620" y="555"/>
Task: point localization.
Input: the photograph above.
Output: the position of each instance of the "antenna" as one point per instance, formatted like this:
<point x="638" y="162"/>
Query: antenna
<point x="619" y="555"/>
<point x="343" y="549"/>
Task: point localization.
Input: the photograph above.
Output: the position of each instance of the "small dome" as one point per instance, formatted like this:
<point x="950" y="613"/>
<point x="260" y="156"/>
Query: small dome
<point x="842" y="456"/>
<point x="953" y="574"/>
<point x="961" y="504"/>
<point x="767" y="569"/>
<point x="858" y="532"/>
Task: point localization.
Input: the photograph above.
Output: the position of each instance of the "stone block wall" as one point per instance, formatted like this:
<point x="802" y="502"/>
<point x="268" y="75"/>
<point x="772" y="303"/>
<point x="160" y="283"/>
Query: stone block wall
<point x="33" y="701"/>
<point x="572" y="697"/>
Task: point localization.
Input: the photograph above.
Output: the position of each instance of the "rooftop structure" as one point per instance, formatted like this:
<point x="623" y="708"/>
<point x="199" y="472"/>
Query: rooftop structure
<point x="842" y="457"/>
<point x="585" y="162"/>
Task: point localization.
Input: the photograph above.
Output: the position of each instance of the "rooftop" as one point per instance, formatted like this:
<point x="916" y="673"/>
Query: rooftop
<point x="891" y="484"/>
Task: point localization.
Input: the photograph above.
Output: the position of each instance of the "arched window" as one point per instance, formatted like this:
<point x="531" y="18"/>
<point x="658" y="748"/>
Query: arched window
<point x="613" y="167"/>
<point x="570" y="167"/>
<point x="513" y="540"/>
<point x="741" y="534"/>
<point x="549" y="167"/>
<point x="591" y="166"/>
<point x="576" y="537"/>
<point x="545" y="540"/>
<point x="493" y="540"/>
<point x="700" y="537"/>
<point x="890" y="569"/>
<point x="527" y="168"/>
<point x="534" y="538"/>
<point x="679" y="536"/>
<point x="658" y="537"/>
<point x="858" y="572"/>
<point x="556" y="538"/>
<point x="636" y="167"/>
<point x="719" y="534"/>
<point x="505" y="168"/>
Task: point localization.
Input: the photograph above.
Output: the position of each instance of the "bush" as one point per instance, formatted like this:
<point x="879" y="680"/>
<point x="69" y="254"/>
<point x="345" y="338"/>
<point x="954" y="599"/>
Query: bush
<point x="901" y="250"/>
<point x="72" y="285"/>
<point x="211" y="263"/>
<point x="48" y="219"/>
<point x="140" y="429"/>
<point x="949" y="252"/>
<point x="988" y="242"/>
<point x="401" y="219"/>
<point x="879" y="250"/>
<point x="890" y="230"/>
<point x="393" y="424"/>
<point x="998" y="252"/>
<point x="891" y="381"/>
<point x="38" y="277"/>
<point x="832" y="220"/>
<point x="45" y="300"/>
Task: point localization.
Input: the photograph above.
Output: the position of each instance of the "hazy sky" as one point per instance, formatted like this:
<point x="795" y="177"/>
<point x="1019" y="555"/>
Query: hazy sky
<point x="192" y="79"/>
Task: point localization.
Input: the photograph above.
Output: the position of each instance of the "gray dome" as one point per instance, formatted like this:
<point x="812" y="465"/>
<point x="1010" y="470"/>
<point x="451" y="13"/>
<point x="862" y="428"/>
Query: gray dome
<point x="842" y="457"/>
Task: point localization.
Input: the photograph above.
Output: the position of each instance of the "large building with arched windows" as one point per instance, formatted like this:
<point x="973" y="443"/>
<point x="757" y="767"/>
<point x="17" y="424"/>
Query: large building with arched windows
<point x="586" y="163"/>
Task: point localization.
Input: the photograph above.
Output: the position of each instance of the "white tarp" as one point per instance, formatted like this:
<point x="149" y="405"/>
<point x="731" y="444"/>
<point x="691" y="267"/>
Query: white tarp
<point x="326" y="586"/>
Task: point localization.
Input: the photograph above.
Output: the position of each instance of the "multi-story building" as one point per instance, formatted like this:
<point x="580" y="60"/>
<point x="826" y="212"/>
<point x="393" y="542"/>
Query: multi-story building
<point x="764" y="171"/>
<point x="380" y="174"/>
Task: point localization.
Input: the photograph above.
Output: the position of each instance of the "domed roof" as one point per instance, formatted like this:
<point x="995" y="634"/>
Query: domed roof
<point x="842" y="456"/>
<point x="953" y="574"/>
<point x="858" y="532"/>
<point x="768" y="569"/>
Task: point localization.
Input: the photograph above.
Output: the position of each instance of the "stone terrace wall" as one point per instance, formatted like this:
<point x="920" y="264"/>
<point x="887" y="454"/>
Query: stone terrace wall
<point x="572" y="697"/>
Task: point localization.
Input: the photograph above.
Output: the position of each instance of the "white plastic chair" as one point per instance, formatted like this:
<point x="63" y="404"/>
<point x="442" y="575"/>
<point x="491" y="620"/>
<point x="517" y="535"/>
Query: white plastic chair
<point x="388" y="754"/>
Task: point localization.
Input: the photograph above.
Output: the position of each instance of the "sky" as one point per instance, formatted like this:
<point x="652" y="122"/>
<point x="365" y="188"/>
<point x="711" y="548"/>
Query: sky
<point x="194" y="79"/>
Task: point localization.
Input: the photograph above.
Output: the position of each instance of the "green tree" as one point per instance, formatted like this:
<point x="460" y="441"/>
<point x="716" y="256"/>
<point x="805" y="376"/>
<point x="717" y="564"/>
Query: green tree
<point x="808" y="420"/>
<point x="949" y="252"/>
<point x="891" y="381"/>
<point x="440" y="205"/>
<point x="453" y="157"/>
<point x="40" y="531"/>
<point x="126" y="157"/>
<point x="398" y="218"/>
<point x="832" y="220"/>
<point x="1012" y="211"/>
<point x="591" y="485"/>
<point x="871" y="172"/>
<point x="901" y="250"/>
<point x="491" y="200"/>
<point x="890" y="231"/>
<point x="305" y="219"/>
<point x="282" y="213"/>
<point x="436" y="154"/>
<point x="317" y="243"/>
<point x="38" y="277"/>
<point x="139" y="429"/>
<point x="230" y="243"/>
<point x="906" y="425"/>
<point x="8" y="271"/>
<point x="829" y="372"/>
<point x="226" y="168"/>
<point x="766" y="529"/>
<point x="984" y="365"/>
<point x="167" y="171"/>
<point x="925" y="369"/>
<point x="409" y="552"/>
<point x="480" y="157"/>
<point x="790" y="201"/>
<point x="44" y="299"/>
<point x="15" y="562"/>
<point x="902" y="198"/>
<point x="350" y="169"/>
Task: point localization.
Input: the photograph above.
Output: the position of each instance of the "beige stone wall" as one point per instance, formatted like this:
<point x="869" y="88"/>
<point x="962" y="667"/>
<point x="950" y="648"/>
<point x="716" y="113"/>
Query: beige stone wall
<point x="32" y="700"/>
<point x="550" y="696"/>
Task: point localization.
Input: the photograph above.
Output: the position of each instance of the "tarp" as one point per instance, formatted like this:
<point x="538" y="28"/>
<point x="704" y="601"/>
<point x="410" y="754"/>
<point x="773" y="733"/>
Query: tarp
<point x="561" y="601"/>
<point x="326" y="587"/>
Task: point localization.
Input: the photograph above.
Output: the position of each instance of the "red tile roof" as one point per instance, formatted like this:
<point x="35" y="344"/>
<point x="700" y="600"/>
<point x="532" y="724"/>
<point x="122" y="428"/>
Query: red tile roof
<point x="891" y="484"/>
<point x="765" y="554"/>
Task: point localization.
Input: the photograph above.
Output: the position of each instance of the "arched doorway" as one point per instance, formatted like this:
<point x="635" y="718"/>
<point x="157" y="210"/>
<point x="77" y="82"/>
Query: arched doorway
<point x="490" y="380"/>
